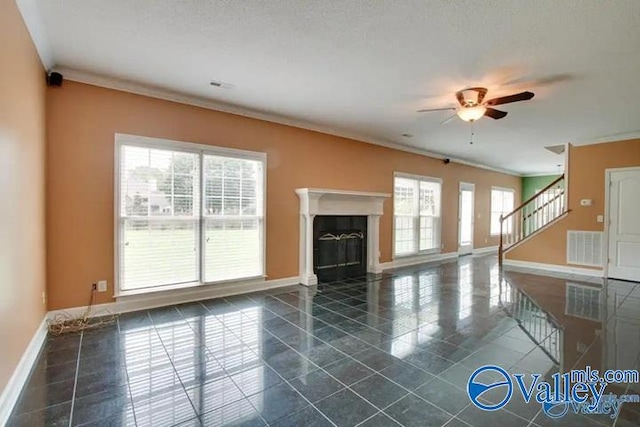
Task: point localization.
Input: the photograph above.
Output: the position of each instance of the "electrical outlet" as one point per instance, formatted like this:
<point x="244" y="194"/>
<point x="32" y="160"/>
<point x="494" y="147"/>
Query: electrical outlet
<point x="102" y="286"/>
<point x="486" y="240"/>
<point x="44" y="298"/>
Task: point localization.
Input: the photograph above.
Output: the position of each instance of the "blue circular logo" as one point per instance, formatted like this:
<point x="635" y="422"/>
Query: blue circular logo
<point x="476" y="389"/>
<point x="556" y="409"/>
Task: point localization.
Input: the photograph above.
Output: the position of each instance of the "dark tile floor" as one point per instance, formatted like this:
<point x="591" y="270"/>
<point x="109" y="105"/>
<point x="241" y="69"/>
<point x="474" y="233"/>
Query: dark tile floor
<point x="397" y="350"/>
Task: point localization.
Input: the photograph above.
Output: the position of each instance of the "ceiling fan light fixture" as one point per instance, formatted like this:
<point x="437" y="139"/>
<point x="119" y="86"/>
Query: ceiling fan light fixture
<point x="471" y="114"/>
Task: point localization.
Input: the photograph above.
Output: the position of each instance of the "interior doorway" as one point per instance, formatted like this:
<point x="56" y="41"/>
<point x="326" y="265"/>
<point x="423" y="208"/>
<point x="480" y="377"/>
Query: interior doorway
<point x="623" y="225"/>
<point x="465" y="218"/>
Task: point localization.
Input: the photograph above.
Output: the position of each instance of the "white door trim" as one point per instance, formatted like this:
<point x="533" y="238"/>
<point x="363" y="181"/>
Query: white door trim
<point x="468" y="186"/>
<point x="607" y="217"/>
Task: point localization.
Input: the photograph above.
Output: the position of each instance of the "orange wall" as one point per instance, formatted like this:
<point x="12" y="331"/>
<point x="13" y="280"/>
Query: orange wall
<point x="586" y="174"/>
<point x="22" y="140"/>
<point x="83" y="119"/>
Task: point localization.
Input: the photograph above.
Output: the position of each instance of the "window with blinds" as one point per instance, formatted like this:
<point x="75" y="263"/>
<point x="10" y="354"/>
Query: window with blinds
<point x="416" y="214"/>
<point x="232" y="218"/>
<point x="502" y="203"/>
<point x="188" y="214"/>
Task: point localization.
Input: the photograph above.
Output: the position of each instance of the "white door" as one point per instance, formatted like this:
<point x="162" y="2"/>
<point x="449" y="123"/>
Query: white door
<point x="465" y="218"/>
<point x="624" y="225"/>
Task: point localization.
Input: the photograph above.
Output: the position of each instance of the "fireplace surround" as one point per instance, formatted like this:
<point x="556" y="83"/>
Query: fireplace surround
<point x="317" y="201"/>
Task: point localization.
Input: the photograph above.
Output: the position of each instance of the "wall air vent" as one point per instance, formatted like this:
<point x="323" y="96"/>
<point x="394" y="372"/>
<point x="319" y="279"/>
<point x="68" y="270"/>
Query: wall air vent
<point x="584" y="248"/>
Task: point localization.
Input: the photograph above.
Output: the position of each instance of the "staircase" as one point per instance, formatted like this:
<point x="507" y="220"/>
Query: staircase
<point x="532" y="216"/>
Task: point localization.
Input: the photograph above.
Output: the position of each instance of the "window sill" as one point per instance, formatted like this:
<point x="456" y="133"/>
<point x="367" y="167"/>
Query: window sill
<point x="416" y="254"/>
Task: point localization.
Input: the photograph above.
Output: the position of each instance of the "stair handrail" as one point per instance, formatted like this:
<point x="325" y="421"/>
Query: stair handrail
<point x="532" y="198"/>
<point x="518" y="209"/>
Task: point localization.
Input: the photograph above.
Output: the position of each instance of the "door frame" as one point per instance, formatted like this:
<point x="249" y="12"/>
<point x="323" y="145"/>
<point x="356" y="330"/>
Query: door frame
<point x="607" y="214"/>
<point x="468" y="186"/>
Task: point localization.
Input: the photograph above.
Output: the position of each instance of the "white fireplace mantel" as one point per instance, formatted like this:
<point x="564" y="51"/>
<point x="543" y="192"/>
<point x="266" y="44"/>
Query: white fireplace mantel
<point x="318" y="201"/>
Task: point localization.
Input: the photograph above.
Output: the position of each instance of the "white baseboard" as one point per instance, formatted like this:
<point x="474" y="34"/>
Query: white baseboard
<point x="12" y="390"/>
<point x="564" y="269"/>
<point x="487" y="250"/>
<point x="415" y="260"/>
<point x="128" y="303"/>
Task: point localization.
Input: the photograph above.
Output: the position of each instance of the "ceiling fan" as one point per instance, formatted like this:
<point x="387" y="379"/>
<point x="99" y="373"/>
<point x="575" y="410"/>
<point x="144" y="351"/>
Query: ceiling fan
<point x="472" y="104"/>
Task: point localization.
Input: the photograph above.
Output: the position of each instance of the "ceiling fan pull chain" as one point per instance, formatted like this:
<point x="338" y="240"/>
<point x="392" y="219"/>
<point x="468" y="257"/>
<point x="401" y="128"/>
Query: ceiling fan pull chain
<point x="471" y="142"/>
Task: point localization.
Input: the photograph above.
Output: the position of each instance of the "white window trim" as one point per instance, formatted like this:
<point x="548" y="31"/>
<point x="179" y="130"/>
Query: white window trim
<point x="504" y="189"/>
<point x="159" y="143"/>
<point x="393" y="220"/>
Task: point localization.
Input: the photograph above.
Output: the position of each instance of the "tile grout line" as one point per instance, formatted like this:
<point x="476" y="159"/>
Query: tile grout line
<point x="347" y="318"/>
<point x="276" y="372"/>
<point x="455" y="417"/>
<point x="221" y="367"/>
<point x="277" y="297"/>
<point x="375" y="415"/>
<point x="133" y="408"/>
<point x="75" y="379"/>
<point x="345" y="386"/>
<point x="372" y="345"/>
<point x="377" y="372"/>
<point x="351" y="356"/>
<point x="173" y="366"/>
<point x="531" y="423"/>
<point x="346" y="333"/>
<point x="287" y="382"/>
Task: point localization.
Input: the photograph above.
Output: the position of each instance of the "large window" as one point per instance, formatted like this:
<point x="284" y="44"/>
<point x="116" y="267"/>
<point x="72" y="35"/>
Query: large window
<point x="416" y="210"/>
<point x="188" y="214"/>
<point x="502" y="203"/>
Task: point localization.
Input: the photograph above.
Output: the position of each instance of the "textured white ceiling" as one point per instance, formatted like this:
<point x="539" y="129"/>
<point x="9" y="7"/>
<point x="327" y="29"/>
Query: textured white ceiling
<point x="364" y="67"/>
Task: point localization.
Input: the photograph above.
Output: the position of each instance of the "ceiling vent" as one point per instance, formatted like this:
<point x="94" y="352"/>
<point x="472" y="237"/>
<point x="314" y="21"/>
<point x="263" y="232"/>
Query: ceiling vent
<point x="556" y="149"/>
<point x="221" y="85"/>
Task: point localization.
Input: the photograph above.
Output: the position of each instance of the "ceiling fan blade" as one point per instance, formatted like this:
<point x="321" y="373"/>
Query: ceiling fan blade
<point x="448" y="119"/>
<point x="428" y="110"/>
<point x="549" y="80"/>
<point x="495" y="114"/>
<point x="522" y="96"/>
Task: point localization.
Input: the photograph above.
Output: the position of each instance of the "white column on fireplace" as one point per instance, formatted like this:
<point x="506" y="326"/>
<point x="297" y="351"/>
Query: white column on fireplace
<point x="318" y="201"/>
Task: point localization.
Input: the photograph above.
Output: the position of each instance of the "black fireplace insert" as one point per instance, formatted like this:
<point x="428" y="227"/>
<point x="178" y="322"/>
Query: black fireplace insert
<point x="339" y="247"/>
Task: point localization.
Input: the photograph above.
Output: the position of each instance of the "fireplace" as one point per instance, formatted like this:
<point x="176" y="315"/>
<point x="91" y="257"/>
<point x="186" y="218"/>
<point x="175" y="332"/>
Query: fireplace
<point x="357" y="237"/>
<point x="339" y="247"/>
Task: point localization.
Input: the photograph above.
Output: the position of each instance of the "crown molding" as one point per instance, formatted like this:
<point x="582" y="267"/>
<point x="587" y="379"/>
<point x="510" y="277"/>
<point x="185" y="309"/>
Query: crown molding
<point x="608" y="138"/>
<point x="30" y="12"/>
<point x="129" y="86"/>
<point x="535" y="175"/>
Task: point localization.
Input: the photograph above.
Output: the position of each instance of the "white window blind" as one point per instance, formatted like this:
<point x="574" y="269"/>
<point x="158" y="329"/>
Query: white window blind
<point x="233" y="218"/>
<point x="159" y="217"/>
<point x="171" y="231"/>
<point x="502" y="203"/>
<point x="416" y="215"/>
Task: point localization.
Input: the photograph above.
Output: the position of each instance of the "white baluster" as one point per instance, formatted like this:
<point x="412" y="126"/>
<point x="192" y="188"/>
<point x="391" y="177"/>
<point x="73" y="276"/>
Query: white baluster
<point x="547" y="213"/>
